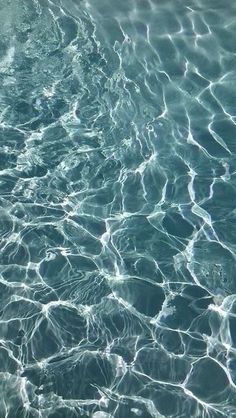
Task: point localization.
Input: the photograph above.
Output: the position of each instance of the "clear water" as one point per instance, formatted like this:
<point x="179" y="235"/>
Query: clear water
<point x="118" y="208"/>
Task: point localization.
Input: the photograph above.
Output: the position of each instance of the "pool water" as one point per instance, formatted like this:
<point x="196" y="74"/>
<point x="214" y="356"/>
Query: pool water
<point x="117" y="208"/>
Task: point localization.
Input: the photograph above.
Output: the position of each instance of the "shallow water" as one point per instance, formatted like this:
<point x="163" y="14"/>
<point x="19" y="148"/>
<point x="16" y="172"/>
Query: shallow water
<point x="118" y="208"/>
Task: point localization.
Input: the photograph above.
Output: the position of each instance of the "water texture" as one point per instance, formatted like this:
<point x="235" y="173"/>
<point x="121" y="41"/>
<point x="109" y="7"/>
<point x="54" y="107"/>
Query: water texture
<point x="117" y="208"/>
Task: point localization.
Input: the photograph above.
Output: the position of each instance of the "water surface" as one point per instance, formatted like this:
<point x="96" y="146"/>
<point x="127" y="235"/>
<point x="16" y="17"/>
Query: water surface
<point x="117" y="208"/>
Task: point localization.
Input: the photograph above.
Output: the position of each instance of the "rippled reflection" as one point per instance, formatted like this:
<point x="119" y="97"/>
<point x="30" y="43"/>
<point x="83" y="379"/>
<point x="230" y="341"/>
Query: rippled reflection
<point x="117" y="216"/>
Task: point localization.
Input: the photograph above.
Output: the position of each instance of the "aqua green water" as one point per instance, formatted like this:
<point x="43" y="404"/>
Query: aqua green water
<point x="118" y="208"/>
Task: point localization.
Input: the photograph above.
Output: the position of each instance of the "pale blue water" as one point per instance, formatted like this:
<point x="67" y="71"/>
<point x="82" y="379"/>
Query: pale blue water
<point x="118" y="208"/>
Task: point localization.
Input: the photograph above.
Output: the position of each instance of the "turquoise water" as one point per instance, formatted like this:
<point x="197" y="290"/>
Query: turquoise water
<point x="118" y="208"/>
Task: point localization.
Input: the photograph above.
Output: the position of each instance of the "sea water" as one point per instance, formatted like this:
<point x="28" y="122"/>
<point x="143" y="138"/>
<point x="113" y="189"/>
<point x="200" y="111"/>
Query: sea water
<point x="117" y="208"/>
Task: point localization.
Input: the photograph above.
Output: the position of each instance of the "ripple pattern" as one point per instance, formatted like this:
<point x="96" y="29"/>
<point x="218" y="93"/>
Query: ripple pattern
<point x="117" y="209"/>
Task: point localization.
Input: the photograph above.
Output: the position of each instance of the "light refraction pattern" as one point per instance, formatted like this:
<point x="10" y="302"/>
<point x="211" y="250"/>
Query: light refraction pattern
<point x="118" y="208"/>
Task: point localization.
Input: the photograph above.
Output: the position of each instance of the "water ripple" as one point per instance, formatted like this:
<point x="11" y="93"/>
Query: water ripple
<point x="117" y="192"/>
